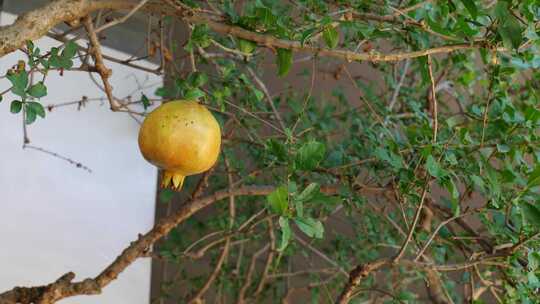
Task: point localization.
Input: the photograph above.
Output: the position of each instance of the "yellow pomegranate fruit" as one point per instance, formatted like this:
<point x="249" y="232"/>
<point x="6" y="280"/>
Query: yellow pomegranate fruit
<point x="182" y="138"/>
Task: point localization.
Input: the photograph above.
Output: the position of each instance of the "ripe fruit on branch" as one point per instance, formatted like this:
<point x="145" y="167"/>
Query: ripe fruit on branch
<point x="182" y="138"/>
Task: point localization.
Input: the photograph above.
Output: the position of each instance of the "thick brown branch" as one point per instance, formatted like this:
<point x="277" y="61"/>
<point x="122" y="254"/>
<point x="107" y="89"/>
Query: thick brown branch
<point x="36" y="23"/>
<point x="269" y="41"/>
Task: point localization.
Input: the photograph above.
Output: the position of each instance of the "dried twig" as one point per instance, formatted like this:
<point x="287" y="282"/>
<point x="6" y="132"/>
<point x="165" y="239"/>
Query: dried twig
<point x="225" y="252"/>
<point x="320" y="254"/>
<point x="104" y="72"/>
<point x="122" y="19"/>
<point x="433" y="100"/>
<point x="249" y="275"/>
<point x="269" y="258"/>
<point x="442" y="224"/>
<point x="263" y="87"/>
<point x="69" y="160"/>
<point x="414" y="222"/>
<point x="400" y="83"/>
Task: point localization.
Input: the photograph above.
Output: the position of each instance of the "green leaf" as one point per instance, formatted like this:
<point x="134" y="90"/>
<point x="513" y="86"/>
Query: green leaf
<point x="277" y="149"/>
<point x="228" y="8"/>
<point x="44" y="63"/>
<point x="284" y="61"/>
<point x="509" y="28"/>
<point x="331" y="36"/>
<point x="306" y="35"/>
<point x="433" y="167"/>
<point x="19" y="82"/>
<point x="534" y="260"/>
<point x="18" y="91"/>
<point x="453" y="189"/>
<point x="533" y="280"/>
<point x="38" y="90"/>
<point x="309" y="192"/>
<point x="471" y="7"/>
<point x="511" y="33"/>
<point x="534" y="177"/>
<point x="531" y="213"/>
<point x="386" y="155"/>
<point x="502" y="148"/>
<point x="30" y="46"/>
<point x="145" y="101"/>
<point x="30" y="115"/>
<point x="478" y="182"/>
<point x="15" y="106"/>
<point x="311" y="227"/>
<point x="37" y="108"/>
<point x="279" y="200"/>
<point x="299" y="207"/>
<point x="70" y="49"/>
<point x="266" y="17"/>
<point x="200" y="35"/>
<point x="285" y="233"/>
<point x="437" y="28"/>
<point x="194" y="94"/>
<point x="291" y="185"/>
<point x="258" y="94"/>
<point x="198" y="79"/>
<point x="56" y="61"/>
<point x="310" y="155"/>
<point x="246" y="46"/>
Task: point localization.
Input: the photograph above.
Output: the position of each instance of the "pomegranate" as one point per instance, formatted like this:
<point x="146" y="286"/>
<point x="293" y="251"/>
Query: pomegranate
<point x="182" y="138"/>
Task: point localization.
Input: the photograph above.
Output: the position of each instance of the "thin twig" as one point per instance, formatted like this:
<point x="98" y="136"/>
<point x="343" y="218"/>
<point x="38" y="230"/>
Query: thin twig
<point x="249" y="275"/>
<point x="321" y="255"/>
<point x="436" y="231"/>
<point x="303" y="272"/>
<point x="124" y="62"/>
<point x="263" y="87"/>
<point x="103" y="71"/>
<point x="69" y="160"/>
<point x="308" y="97"/>
<point x="400" y="83"/>
<point x="224" y="253"/>
<point x="433" y="100"/>
<point x="414" y="222"/>
<point x="122" y="19"/>
<point x="269" y="258"/>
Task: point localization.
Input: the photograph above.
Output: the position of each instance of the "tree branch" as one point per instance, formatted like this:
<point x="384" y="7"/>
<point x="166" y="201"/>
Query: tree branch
<point x="63" y="289"/>
<point x="138" y="248"/>
<point x="104" y="72"/>
<point x="355" y="278"/>
<point x="37" y="23"/>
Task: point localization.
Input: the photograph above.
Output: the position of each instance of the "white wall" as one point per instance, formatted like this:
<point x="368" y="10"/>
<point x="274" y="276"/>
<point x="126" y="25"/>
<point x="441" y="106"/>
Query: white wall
<point x="56" y="218"/>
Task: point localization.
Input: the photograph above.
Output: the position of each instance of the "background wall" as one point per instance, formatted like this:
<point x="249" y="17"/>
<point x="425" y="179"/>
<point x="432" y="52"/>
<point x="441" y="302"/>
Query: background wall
<point x="56" y="217"/>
